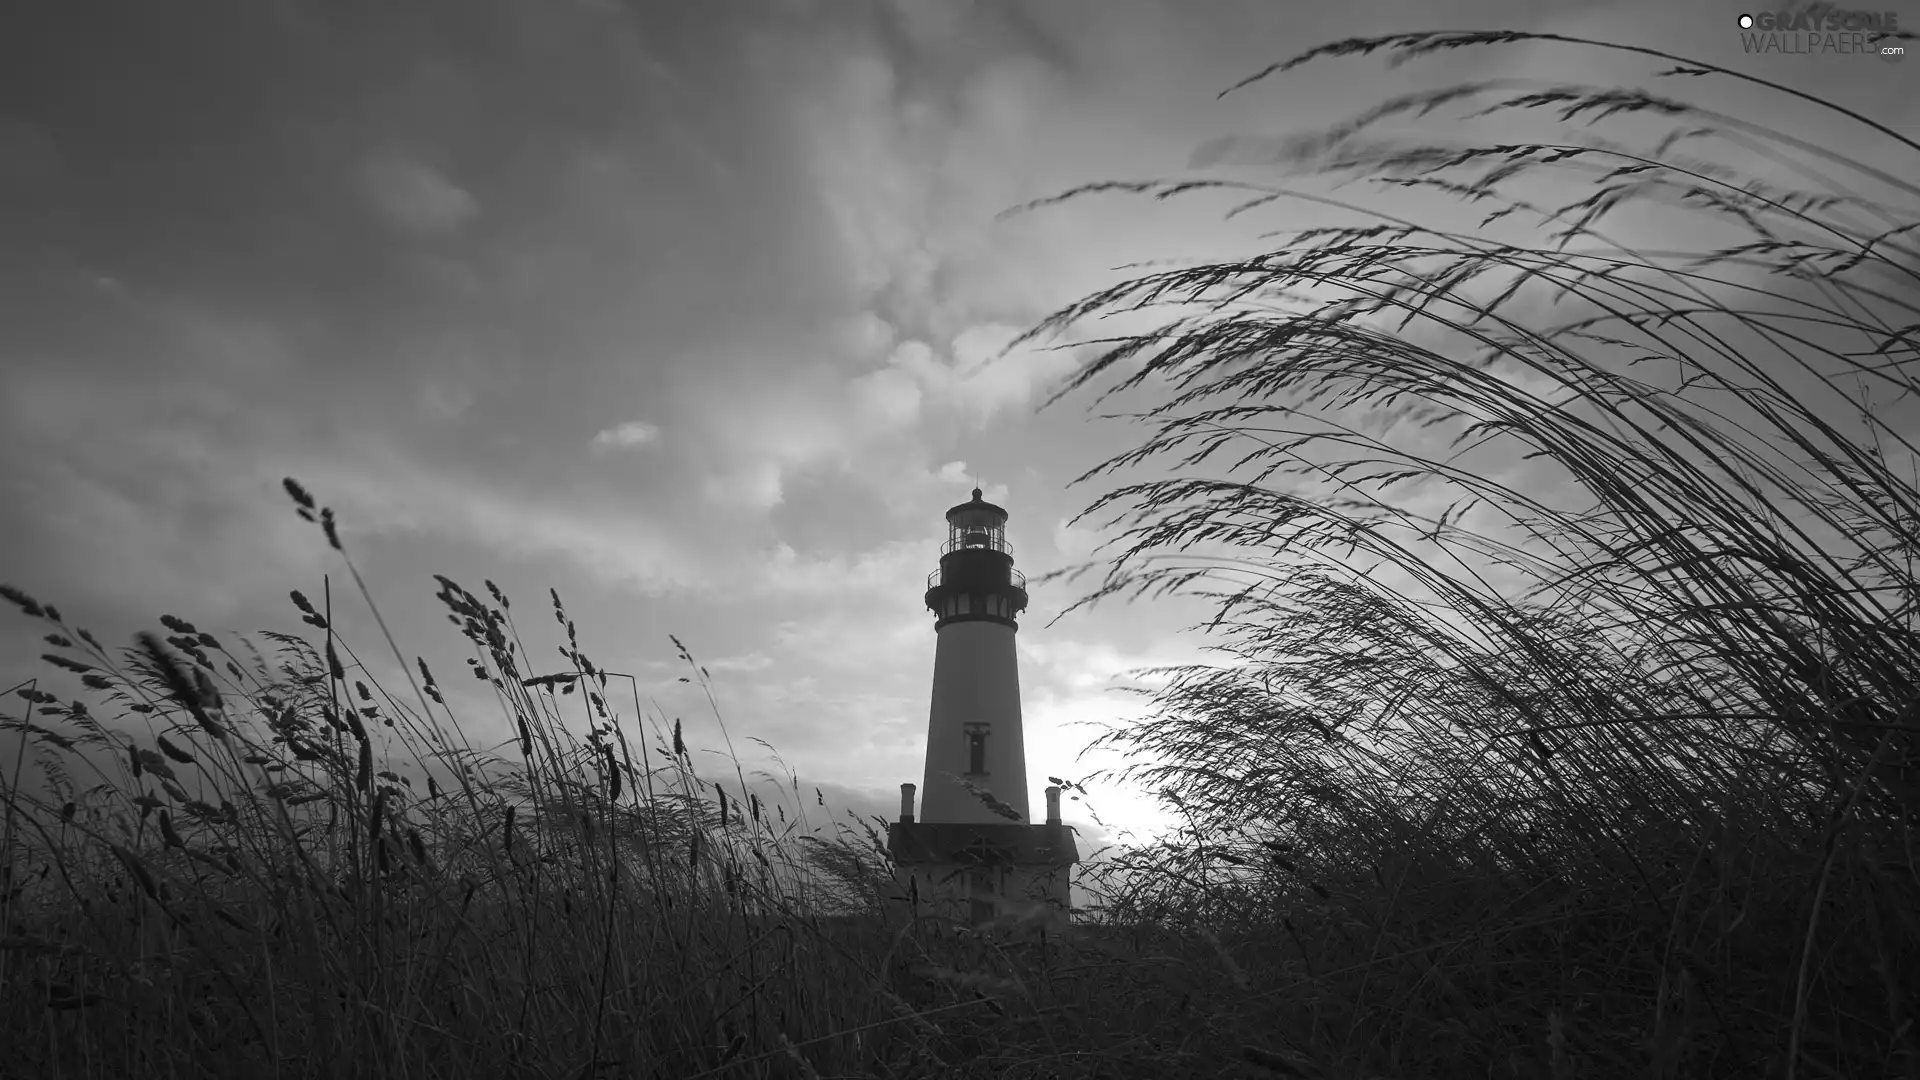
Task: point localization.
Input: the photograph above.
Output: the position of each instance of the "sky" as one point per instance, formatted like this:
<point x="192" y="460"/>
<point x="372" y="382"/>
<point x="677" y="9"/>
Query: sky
<point x="689" y="311"/>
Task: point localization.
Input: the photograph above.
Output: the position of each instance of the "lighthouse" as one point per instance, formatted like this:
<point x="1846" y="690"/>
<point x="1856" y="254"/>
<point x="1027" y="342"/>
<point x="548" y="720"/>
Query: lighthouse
<point x="972" y="853"/>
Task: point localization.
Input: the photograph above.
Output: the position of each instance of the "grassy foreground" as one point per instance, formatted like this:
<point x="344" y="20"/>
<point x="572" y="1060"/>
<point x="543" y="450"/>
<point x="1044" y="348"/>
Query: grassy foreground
<point x="1603" y="768"/>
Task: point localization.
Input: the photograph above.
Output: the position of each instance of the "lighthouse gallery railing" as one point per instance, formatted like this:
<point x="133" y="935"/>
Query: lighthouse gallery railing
<point x="1019" y="579"/>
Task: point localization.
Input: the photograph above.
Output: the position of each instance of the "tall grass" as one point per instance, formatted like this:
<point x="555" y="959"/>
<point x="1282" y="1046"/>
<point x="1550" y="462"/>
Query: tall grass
<point x="1606" y="768"/>
<point x="1565" y="713"/>
<point x="275" y="865"/>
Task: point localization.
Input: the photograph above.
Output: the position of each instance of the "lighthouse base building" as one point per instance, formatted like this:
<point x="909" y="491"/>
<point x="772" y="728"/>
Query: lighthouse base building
<point x="972" y="855"/>
<point x="975" y="873"/>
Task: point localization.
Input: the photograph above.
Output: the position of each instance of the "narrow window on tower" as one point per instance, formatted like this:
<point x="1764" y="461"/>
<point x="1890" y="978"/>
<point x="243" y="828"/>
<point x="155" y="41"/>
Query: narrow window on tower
<point x="976" y="749"/>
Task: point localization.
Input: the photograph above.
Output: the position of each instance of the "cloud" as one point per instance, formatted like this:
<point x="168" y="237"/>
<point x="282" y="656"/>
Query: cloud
<point x="1074" y="541"/>
<point x="445" y="400"/>
<point x="865" y="335"/>
<point x="988" y="382"/>
<point x="882" y="571"/>
<point x="754" y="486"/>
<point x="137" y="488"/>
<point x="885" y="645"/>
<point x="414" y="196"/>
<point x="753" y="434"/>
<point x="754" y="661"/>
<point x="457" y="369"/>
<point x="627" y="436"/>
<point x="890" y="398"/>
<point x="383" y="490"/>
<point x="908" y="162"/>
<point x="972" y="379"/>
<point x="766" y="440"/>
<point x="913" y="159"/>
<point x="156" y="535"/>
<point x="871" y="197"/>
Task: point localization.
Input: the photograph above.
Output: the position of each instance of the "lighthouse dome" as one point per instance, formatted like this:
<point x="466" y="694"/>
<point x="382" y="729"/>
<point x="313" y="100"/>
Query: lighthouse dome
<point x="978" y="510"/>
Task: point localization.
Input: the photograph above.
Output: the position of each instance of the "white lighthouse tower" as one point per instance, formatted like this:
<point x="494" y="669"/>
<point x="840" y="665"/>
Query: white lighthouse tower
<point x="973" y="853"/>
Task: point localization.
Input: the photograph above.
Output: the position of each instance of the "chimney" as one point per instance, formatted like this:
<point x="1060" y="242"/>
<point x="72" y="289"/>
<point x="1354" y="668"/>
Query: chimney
<point x="906" y="803"/>
<point x="1053" y="806"/>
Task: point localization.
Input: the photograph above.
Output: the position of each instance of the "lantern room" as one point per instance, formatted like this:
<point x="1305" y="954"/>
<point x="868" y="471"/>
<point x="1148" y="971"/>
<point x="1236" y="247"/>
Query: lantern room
<point x="977" y="524"/>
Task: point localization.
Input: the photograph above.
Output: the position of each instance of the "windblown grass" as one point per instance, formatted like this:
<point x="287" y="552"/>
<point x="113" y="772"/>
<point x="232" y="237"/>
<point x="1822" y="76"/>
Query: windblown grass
<point x="277" y="866"/>
<point x="1565" y="720"/>
<point x="1610" y="773"/>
